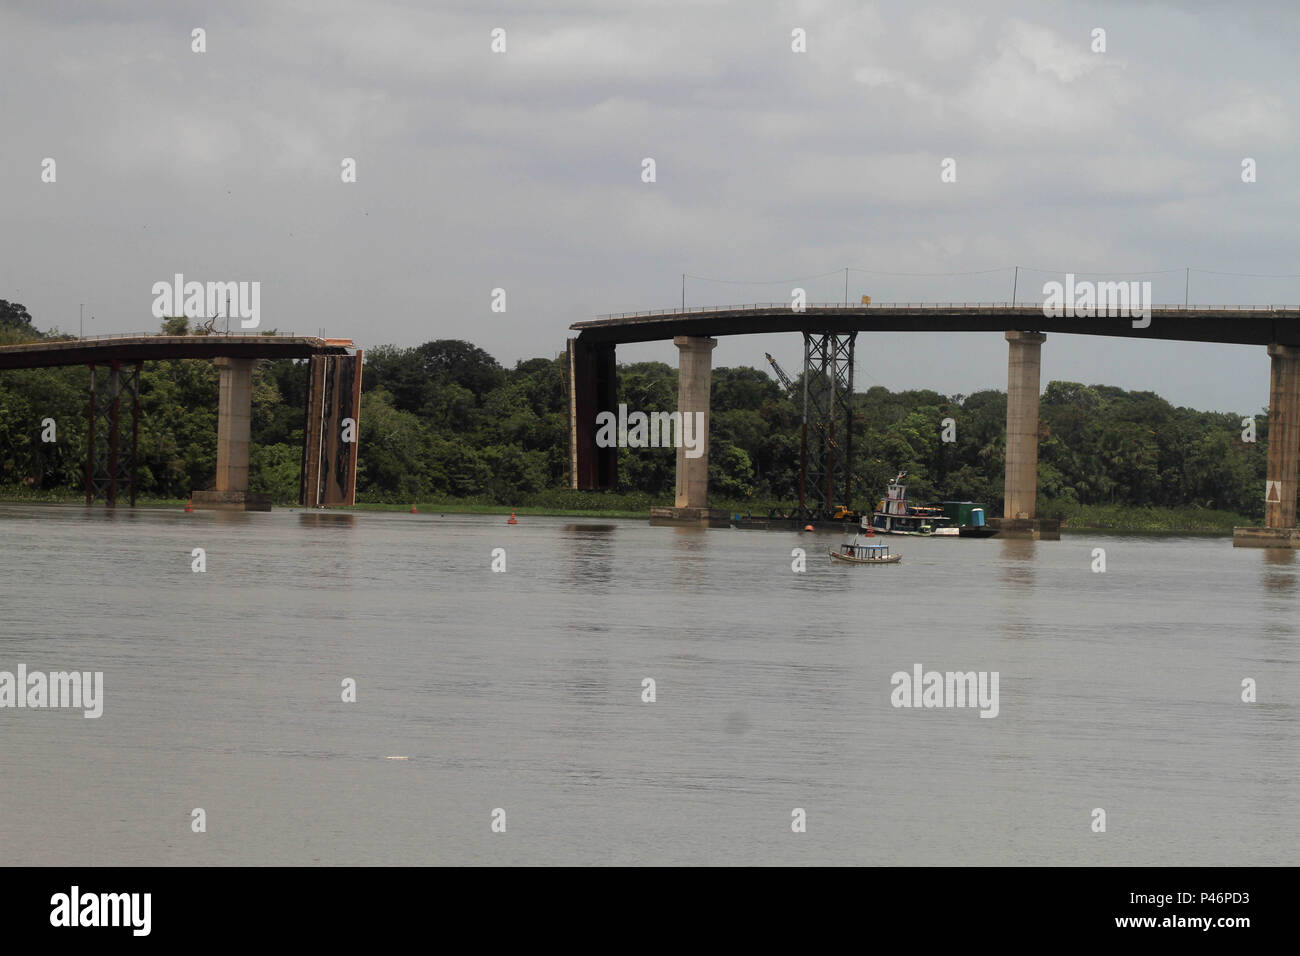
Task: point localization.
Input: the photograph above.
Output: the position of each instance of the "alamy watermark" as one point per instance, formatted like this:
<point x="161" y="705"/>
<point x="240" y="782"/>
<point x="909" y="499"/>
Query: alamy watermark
<point x="75" y="908"/>
<point x="655" y="430"/>
<point x="949" y="689"/>
<point x="57" y="689"/>
<point x="1090" y="299"/>
<point x="209" y="300"/>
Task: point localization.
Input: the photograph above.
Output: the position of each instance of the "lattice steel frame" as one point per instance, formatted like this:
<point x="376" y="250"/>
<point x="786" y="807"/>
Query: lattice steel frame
<point x="108" y="465"/>
<point x="826" y="462"/>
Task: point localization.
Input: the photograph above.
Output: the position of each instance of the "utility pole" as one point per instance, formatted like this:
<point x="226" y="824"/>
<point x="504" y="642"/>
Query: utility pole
<point x="1187" y="282"/>
<point x="683" y="291"/>
<point x="81" y="320"/>
<point x="846" y="285"/>
<point x="1014" y="284"/>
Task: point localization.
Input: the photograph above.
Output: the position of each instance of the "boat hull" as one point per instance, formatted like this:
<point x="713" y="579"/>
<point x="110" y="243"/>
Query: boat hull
<point x="848" y="559"/>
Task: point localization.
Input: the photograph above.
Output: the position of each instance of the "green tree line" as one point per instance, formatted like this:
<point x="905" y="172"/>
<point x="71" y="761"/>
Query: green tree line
<point x="446" y="420"/>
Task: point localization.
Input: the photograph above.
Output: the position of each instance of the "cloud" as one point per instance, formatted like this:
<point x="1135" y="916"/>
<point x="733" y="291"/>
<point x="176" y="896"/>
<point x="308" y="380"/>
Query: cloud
<point x="522" y="170"/>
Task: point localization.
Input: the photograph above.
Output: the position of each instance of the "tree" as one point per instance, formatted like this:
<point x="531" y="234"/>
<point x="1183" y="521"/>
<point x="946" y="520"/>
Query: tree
<point x="15" y="316"/>
<point x="466" y="365"/>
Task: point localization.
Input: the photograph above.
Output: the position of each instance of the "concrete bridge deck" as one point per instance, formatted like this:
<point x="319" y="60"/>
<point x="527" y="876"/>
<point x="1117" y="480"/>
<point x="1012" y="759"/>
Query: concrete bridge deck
<point x="593" y="382"/>
<point x="104" y="350"/>
<point x="329" y="460"/>
<point x="1239" y="324"/>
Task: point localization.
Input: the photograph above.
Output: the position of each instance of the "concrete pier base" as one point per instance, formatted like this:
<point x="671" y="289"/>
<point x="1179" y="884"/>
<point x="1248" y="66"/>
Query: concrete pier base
<point x="1266" y="538"/>
<point x="1037" y="529"/>
<point x="690" y="517"/>
<point x="230" y="501"/>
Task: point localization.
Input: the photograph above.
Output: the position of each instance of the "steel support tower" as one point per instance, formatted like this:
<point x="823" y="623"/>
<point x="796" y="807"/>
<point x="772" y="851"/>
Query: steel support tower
<point x="111" y="461"/>
<point x="826" y="465"/>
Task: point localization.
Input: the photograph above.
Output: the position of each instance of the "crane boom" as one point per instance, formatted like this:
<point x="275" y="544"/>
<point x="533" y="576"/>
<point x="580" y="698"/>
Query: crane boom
<point x="780" y="373"/>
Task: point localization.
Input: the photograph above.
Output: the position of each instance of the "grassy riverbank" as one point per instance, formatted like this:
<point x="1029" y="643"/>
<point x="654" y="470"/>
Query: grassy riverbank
<point x="475" y="508"/>
<point x="21" y="494"/>
<point x="636" y="505"/>
<point x="1076" y="517"/>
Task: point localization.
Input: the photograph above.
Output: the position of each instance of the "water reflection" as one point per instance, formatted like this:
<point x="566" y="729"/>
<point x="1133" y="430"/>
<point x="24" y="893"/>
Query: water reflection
<point x="688" y="547"/>
<point x="1279" y="570"/>
<point x="590" y="552"/>
<point x="588" y="530"/>
<point x="1017" y="574"/>
<point x="223" y="517"/>
<point x="327" y="519"/>
<point x="1018" y="562"/>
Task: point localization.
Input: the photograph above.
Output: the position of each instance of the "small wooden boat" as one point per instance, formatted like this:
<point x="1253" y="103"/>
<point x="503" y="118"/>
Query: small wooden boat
<point x="873" y="554"/>
<point x="863" y="549"/>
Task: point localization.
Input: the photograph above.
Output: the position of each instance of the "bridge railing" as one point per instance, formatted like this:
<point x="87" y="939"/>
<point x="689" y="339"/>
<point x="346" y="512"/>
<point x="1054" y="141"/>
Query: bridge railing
<point x="757" y="306"/>
<point x="188" y="335"/>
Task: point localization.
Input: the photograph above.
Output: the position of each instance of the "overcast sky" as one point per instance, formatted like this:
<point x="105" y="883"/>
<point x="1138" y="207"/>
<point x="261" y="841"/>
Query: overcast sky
<point x="523" y="170"/>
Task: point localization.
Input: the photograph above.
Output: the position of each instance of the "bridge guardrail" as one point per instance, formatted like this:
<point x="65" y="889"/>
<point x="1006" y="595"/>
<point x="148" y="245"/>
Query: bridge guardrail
<point x="924" y="305"/>
<point x="189" y="335"/>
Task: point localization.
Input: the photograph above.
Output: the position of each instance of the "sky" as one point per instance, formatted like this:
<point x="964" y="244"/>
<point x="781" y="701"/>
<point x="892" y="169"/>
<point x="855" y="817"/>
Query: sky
<point x="522" y="170"/>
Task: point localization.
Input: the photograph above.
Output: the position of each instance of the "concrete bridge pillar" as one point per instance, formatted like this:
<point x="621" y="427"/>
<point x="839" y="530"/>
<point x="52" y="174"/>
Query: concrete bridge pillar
<point x="1020" y="505"/>
<point x="234" y="406"/>
<point x="1279" y="529"/>
<point x="694" y="377"/>
<point x="1283" y="437"/>
<point x="1023" y="366"/>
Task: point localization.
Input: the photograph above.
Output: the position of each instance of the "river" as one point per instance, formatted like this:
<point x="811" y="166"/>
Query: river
<point x="522" y="692"/>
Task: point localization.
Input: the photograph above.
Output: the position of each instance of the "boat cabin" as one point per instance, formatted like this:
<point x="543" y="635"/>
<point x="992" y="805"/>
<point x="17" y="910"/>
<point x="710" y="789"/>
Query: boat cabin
<point x="864" y="546"/>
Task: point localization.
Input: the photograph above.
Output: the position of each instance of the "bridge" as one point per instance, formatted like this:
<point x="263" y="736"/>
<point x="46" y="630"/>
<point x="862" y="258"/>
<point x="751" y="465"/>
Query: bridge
<point x="333" y="394"/>
<point x="829" y="331"/>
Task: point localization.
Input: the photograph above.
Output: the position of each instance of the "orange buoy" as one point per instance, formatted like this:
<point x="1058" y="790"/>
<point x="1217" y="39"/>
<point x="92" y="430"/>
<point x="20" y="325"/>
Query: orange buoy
<point x="413" y="511"/>
<point x="513" y="519"/>
<point x="808" y="527"/>
<point x="189" y="506"/>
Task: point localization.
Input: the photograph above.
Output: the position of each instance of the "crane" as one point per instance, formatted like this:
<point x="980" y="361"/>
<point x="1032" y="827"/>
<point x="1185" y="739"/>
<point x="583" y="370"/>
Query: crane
<point x="790" y="387"/>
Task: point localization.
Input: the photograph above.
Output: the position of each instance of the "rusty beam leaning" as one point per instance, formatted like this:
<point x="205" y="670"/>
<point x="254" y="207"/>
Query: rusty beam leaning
<point x="354" y="448"/>
<point x="338" y="440"/>
<point x="593" y="388"/>
<point x="135" y="430"/>
<point x="333" y="416"/>
<point x="311" y="433"/>
<point x="90" y="440"/>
